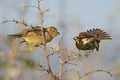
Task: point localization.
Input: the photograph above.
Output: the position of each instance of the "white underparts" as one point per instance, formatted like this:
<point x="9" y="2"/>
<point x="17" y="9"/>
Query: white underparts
<point x="87" y="40"/>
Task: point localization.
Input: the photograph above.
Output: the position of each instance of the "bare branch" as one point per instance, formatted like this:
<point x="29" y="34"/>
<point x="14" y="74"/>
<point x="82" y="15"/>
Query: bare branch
<point x="69" y="58"/>
<point x="84" y="75"/>
<point x="41" y="68"/>
<point x="47" y="57"/>
<point x="43" y="36"/>
<point x="46" y="11"/>
<point x="71" y="63"/>
<point x="54" y="52"/>
<point x="16" y="21"/>
<point x="62" y="38"/>
<point x="49" y="71"/>
<point x="29" y="6"/>
<point x="59" y="54"/>
<point x="53" y="77"/>
<point x="70" y="70"/>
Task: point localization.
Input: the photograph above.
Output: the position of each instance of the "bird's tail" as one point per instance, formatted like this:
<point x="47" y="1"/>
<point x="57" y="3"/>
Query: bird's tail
<point x="12" y="37"/>
<point x="99" y="34"/>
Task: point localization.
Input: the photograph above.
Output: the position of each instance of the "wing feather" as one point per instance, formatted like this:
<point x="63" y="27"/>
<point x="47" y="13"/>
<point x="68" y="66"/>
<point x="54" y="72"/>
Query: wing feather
<point x="99" y="34"/>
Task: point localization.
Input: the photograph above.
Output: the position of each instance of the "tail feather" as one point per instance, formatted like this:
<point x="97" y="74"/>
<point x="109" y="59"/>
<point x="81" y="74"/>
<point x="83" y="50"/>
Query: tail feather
<point x="99" y="34"/>
<point x="11" y="38"/>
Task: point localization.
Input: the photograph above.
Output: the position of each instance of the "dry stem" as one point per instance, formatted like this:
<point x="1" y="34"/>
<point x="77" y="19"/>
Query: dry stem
<point x="43" y="35"/>
<point x="16" y="21"/>
<point x="59" y="54"/>
<point x="86" y="74"/>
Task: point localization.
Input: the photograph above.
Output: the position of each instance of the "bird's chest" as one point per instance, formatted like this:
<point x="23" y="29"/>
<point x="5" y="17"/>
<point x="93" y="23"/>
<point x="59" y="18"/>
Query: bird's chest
<point x="85" y="44"/>
<point x="86" y="41"/>
<point x="48" y="37"/>
<point x="80" y="45"/>
<point x="35" y="38"/>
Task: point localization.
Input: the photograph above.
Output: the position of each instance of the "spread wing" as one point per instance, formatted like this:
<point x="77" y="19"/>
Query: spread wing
<point x="99" y="34"/>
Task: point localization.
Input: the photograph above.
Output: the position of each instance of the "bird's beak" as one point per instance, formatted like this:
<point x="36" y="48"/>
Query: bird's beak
<point x="74" y="38"/>
<point x="58" y="33"/>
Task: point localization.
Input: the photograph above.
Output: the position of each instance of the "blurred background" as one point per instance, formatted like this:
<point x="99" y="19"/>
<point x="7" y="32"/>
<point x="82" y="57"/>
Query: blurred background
<point x="73" y="16"/>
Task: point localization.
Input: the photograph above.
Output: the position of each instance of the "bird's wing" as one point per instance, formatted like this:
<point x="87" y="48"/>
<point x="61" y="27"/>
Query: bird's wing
<point x="12" y="37"/>
<point x="21" y="34"/>
<point x="98" y="34"/>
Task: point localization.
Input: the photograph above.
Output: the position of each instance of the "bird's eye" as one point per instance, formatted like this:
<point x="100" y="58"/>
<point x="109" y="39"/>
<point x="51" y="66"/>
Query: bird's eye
<point x="53" y="31"/>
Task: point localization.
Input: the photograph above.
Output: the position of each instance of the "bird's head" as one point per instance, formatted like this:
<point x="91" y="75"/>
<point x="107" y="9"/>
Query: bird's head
<point x="53" y="31"/>
<point x="83" y="35"/>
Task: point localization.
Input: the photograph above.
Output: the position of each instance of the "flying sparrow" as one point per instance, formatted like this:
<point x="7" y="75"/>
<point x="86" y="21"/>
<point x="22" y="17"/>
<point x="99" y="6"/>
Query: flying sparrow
<point x="90" y="39"/>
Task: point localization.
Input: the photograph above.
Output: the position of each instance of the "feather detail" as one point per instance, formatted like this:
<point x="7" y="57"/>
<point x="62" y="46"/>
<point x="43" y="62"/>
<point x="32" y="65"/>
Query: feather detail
<point x="12" y="37"/>
<point x="99" y="34"/>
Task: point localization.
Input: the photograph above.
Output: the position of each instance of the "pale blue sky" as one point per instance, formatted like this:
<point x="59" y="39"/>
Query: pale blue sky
<point x="89" y="13"/>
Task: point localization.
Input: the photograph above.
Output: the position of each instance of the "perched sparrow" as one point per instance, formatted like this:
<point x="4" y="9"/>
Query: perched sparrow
<point x="34" y="37"/>
<point x="90" y="40"/>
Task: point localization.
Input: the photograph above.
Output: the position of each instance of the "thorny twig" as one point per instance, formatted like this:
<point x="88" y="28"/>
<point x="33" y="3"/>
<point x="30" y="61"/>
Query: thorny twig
<point x="54" y="77"/>
<point x="32" y="6"/>
<point x="69" y="58"/>
<point x="63" y="62"/>
<point x="44" y="41"/>
<point x="86" y="74"/>
<point x="55" y="52"/>
<point x="43" y="35"/>
<point x="41" y="68"/>
<point x="16" y="21"/>
<point x="29" y="6"/>
<point x="66" y="71"/>
<point x="51" y="75"/>
<point x="59" y="54"/>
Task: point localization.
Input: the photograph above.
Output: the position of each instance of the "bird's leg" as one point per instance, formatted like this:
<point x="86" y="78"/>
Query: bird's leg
<point x="96" y="45"/>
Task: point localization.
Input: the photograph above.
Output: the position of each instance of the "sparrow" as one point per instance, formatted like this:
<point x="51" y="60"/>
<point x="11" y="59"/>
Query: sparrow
<point x="33" y="36"/>
<point x="90" y="39"/>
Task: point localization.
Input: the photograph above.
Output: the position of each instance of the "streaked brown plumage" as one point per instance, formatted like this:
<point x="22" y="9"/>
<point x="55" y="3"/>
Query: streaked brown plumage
<point x="90" y="40"/>
<point x="34" y="37"/>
